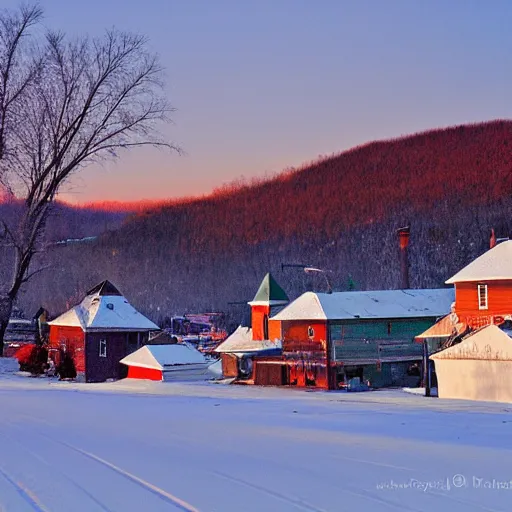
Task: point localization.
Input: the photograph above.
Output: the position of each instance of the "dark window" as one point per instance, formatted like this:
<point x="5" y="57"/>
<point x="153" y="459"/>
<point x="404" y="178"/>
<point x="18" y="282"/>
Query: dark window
<point x="265" y="327"/>
<point x="311" y="332"/>
<point x="103" y="348"/>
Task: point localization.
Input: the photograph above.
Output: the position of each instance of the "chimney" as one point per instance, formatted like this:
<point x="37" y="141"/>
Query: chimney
<point x="403" y="238"/>
<point x="493" y="239"/>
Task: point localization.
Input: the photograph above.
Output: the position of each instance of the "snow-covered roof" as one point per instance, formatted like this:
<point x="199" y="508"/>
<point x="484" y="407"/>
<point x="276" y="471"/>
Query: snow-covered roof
<point x="444" y="328"/>
<point x="98" y="311"/>
<point x="488" y="343"/>
<point x="369" y="304"/>
<point x="269" y="293"/>
<point x="157" y="357"/>
<point x="493" y="265"/>
<point x="241" y="341"/>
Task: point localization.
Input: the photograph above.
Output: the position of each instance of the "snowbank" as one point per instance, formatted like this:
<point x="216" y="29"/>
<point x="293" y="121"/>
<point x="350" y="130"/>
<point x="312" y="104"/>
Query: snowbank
<point x="8" y="365"/>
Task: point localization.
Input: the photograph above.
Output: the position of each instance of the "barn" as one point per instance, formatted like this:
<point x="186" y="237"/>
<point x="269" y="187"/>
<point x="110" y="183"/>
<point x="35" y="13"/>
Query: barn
<point x="171" y="362"/>
<point x="97" y="333"/>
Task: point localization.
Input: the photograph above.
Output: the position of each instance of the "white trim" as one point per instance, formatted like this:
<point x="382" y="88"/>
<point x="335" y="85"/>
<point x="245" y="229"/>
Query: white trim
<point x="267" y="302"/>
<point x="103" y="345"/>
<point x="484" y="306"/>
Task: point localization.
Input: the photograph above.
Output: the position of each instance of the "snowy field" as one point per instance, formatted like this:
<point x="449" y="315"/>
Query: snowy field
<point x="134" y="446"/>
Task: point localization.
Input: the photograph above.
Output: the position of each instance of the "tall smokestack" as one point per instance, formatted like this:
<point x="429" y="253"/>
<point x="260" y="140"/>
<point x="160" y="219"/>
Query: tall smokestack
<point x="403" y="238"/>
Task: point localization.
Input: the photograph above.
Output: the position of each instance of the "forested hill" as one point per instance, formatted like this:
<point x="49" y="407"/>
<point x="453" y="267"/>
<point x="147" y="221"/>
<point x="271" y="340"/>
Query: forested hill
<point x="340" y="213"/>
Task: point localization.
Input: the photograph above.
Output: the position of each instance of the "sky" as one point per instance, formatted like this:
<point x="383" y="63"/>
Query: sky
<point x="264" y="85"/>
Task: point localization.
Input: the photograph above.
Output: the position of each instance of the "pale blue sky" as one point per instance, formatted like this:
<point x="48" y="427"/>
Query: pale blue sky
<point x="264" y="85"/>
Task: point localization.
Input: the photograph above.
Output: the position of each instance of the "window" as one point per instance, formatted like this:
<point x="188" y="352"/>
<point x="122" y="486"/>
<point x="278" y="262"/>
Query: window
<point x="265" y="327"/>
<point x="311" y="332"/>
<point x="103" y="348"/>
<point x="482" y="297"/>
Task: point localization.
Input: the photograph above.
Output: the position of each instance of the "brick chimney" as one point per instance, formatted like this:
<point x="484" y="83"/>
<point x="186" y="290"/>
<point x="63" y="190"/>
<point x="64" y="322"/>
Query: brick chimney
<point x="403" y="239"/>
<point x="492" y="241"/>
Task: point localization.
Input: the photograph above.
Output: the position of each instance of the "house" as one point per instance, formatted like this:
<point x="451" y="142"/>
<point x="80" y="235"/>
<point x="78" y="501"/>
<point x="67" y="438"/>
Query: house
<point x="98" y="333"/>
<point x="478" y="368"/>
<point x="262" y="338"/>
<point x="328" y="339"/>
<point x="176" y="362"/>
<point x="483" y="289"/>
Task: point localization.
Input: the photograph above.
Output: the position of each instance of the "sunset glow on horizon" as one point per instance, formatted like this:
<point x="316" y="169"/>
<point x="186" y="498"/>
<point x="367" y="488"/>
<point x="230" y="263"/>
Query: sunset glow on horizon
<point x="263" y="86"/>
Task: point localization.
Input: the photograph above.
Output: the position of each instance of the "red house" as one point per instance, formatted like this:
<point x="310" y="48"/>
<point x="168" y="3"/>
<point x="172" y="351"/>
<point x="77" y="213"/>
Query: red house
<point x="98" y="333"/>
<point x="483" y="289"/>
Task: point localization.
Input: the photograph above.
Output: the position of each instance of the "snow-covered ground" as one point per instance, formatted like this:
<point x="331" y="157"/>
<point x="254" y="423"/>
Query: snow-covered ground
<point x="133" y="446"/>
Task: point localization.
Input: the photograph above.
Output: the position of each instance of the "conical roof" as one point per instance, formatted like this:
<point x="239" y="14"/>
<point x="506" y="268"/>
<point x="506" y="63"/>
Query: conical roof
<point x="105" y="288"/>
<point x="270" y="292"/>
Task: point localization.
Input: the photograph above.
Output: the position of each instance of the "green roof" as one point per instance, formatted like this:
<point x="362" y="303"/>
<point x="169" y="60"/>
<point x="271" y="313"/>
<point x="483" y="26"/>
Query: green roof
<point x="269" y="290"/>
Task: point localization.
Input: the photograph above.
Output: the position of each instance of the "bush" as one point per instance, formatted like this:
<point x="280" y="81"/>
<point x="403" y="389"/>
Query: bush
<point x="32" y="358"/>
<point x="66" y="368"/>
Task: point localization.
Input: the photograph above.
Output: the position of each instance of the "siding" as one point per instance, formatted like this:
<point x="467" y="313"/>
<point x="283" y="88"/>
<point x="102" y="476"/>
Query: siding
<point x="72" y="339"/>
<point x="229" y="365"/>
<point x="371" y="341"/>
<point x="306" y="357"/>
<point x="99" y="368"/>
<point x="135" y="372"/>
<point x="257" y="316"/>
<point x="499" y="294"/>
<point x="474" y="379"/>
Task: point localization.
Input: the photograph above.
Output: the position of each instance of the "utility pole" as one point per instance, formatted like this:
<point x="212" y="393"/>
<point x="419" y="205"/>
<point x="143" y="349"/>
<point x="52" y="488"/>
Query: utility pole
<point x="426" y="368"/>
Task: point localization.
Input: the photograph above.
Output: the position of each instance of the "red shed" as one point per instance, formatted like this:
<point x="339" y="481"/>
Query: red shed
<point x="179" y="361"/>
<point x="98" y="333"/>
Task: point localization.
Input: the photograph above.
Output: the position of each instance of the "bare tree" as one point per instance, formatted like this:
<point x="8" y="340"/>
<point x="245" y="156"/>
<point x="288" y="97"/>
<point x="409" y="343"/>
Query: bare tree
<point x="65" y="104"/>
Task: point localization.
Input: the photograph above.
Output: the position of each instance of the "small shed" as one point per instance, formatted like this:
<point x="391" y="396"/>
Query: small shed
<point x="478" y="368"/>
<point x="239" y="349"/>
<point x="178" y="362"/>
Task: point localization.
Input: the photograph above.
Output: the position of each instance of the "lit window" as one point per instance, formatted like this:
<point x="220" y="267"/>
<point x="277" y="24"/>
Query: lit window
<point x="311" y="332"/>
<point x="103" y="348"/>
<point x="482" y="297"/>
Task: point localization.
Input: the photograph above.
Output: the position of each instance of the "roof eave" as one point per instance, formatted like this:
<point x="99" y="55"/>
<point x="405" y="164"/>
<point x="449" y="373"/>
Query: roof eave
<point x="267" y="302"/>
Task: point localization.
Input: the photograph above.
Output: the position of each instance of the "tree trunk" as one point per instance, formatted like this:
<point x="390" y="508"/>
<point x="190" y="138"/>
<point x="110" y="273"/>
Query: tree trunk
<point x="6" y="304"/>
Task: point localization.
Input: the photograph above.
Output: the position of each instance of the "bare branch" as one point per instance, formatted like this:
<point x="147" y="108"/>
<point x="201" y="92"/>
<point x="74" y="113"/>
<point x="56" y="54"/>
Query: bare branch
<point x="63" y="105"/>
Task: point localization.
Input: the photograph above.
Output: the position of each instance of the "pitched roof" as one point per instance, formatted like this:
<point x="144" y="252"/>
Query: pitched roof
<point x="493" y="265"/>
<point x="488" y="343"/>
<point x="428" y="303"/>
<point x="269" y="292"/>
<point x="443" y="328"/>
<point x="104" y="288"/>
<point x="104" y="310"/>
<point x="241" y="341"/>
<point x="157" y="357"/>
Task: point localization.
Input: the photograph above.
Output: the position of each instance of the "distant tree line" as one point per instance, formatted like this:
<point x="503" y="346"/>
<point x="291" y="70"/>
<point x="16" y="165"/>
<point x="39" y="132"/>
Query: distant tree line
<point x="340" y="214"/>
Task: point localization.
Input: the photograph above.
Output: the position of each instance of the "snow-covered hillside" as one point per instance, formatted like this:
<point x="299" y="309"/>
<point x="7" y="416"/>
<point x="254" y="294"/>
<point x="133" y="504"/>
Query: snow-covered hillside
<point x="132" y="446"/>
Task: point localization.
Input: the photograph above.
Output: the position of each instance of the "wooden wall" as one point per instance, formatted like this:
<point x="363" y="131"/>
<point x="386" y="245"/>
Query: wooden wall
<point x="499" y="298"/>
<point x="72" y="339"/>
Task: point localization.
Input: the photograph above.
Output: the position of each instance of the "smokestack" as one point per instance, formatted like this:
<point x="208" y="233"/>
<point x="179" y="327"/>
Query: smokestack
<point x="403" y="238"/>
<point x="492" y="241"/>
